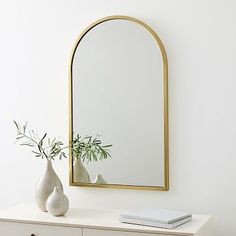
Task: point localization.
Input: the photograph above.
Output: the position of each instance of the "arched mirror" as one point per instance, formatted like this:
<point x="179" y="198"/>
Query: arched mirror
<point x="118" y="90"/>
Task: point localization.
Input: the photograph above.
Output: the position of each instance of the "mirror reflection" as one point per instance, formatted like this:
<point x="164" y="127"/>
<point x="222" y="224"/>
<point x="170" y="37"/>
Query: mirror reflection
<point x="119" y="99"/>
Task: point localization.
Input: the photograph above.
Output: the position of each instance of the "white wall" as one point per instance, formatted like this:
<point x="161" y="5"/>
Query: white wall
<point x="200" y="39"/>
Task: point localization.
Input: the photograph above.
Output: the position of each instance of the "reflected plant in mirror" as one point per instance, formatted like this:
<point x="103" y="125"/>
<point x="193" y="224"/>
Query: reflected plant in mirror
<point x="87" y="149"/>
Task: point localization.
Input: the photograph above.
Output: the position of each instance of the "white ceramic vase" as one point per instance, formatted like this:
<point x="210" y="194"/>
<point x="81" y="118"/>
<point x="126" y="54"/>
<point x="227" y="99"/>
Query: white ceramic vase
<point x="57" y="203"/>
<point x="46" y="185"/>
<point x="80" y="174"/>
<point x="99" y="180"/>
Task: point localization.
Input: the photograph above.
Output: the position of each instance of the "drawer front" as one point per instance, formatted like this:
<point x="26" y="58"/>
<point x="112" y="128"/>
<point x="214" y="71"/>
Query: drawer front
<point x="18" y="229"/>
<point x="95" y="232"/>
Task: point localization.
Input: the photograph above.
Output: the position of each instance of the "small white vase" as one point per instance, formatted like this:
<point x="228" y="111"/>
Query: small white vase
<point x="100" y="180"/>
<point x="45" y="186"/>
<point x="57" y="203"/>
<point x="80" y="173"/>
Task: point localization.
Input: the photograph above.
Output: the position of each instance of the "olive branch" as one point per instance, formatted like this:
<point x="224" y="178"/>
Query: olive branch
<point x="89" y="148"/>
<point x="41" y="148"/>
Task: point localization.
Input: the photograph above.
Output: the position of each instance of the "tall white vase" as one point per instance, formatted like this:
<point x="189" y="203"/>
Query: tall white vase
<point x="57" y="203"/>
<point x="80" y="173"/>
<point x="45" y="186"/>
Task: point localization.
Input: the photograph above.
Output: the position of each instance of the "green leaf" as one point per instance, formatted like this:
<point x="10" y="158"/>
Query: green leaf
<point x="39" y="148"/>
<point x="106" y="146"/>
<point x="17" y="126"/>
<point x="53" y="140"/>
<point x="41" y="141"/>
<point x="24" y="127"/>
<point x="27" y="144"/>
<point x="64" y="155"/>
<point x="38" y="155"/>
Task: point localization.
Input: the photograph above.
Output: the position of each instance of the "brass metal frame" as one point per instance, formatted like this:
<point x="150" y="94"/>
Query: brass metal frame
<point x="165" y="92"/>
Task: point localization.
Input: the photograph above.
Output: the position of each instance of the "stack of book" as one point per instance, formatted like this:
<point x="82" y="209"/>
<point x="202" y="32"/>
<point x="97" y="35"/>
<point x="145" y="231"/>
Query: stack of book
<point x="161" y="218"/>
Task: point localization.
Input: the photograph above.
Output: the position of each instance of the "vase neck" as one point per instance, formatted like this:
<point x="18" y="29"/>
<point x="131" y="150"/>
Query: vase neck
<point x="49" y="164"/>
<point x="79" y="161"/>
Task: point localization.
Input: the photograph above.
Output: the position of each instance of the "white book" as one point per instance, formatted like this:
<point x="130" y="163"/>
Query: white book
<point x="156" y="215"/>
<point x="155" y="224"/>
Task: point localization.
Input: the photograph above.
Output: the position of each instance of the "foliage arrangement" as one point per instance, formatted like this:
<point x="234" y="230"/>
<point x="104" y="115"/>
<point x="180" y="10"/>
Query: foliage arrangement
<point x="89" y="148"/>
<point x="41" y="148"/>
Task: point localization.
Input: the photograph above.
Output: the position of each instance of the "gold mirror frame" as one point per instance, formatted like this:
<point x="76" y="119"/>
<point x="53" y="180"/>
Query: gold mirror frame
<point x="165" y="93"/>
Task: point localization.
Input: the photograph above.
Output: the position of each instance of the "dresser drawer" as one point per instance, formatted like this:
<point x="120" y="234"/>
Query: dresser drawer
<point x="95" y="232"/>
<point x="20" y="229"/>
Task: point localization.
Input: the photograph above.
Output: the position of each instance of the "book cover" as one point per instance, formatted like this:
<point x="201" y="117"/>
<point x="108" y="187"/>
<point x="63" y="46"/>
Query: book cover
<point x="155" y="224"/>
<point x="156" y="215"/>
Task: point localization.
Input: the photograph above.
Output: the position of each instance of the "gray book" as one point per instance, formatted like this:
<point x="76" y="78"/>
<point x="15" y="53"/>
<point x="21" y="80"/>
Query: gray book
<point x="156" y="215"/>
<point x="155" y="224"/>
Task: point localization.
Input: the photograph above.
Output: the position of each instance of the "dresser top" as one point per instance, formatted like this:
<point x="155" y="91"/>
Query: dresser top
<point x="93" y="218"/>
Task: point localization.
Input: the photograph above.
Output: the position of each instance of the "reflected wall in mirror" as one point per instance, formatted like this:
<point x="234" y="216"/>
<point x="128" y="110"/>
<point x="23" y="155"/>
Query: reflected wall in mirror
<point x="118" y="90"/>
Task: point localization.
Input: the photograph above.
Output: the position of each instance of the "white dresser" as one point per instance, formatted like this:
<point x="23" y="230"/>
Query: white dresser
<point x="27" y="220"/>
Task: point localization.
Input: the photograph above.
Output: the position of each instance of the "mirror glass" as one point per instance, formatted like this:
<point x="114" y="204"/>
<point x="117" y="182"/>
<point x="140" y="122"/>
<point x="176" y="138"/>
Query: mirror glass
<point x="119" y="92"/>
